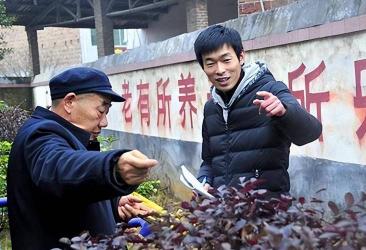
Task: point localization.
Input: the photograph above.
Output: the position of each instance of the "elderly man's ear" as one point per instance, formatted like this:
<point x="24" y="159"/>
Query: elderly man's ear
<point x="68" y="101"/>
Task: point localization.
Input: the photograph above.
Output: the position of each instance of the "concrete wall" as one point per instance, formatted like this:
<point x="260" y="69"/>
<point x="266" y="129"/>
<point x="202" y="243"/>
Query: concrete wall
<point x="321" y="59"/>
<point x="58" y="47"/>
<point x="17" y="63"/>
<point x="324" y="74"/>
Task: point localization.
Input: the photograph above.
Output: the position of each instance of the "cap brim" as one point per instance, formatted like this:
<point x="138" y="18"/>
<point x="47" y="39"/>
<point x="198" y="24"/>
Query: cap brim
<point x="113" y="95"/>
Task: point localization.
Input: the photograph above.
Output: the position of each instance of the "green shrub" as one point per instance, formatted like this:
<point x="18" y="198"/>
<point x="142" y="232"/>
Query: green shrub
<point x="2" y="104"/>
<point x="149" y="189"/>
<point x="5" y="147"/>
<point x="106" y="142"/>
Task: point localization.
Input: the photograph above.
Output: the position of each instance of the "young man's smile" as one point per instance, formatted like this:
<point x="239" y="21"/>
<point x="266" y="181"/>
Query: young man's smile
<point x="223" y="67"/>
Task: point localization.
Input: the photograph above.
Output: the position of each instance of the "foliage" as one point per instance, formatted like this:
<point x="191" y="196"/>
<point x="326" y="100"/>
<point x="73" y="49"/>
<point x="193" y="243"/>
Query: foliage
<point x="2" y="104"/>
<point x="106" y="142"/>
<point x="11" y="119"/>
<point x="243" y="219"/>
<point x="149" y="189"/>
<point x="4" y="156"/>
<point x="5" y="242"/>
<point x="5" y="22"/>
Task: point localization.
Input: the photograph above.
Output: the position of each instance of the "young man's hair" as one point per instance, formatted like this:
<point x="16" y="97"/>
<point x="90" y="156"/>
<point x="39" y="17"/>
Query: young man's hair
<point x="213" y="38"/>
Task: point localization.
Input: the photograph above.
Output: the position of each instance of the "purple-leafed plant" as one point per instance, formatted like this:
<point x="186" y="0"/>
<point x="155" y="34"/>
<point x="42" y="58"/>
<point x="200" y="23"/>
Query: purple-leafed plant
<point x="11" y="119"/>
<point x="246" y="218"/>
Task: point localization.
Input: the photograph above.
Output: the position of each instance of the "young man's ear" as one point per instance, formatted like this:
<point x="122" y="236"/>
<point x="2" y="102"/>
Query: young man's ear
<point x="241" y="57"/>
<point x="69" y="100"/>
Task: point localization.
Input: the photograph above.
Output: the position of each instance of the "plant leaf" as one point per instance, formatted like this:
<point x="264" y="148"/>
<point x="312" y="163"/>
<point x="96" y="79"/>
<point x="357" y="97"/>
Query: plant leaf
<point x="349" y="199"/>
<point x="333" y="207"/>
<point x="320" y="190"/>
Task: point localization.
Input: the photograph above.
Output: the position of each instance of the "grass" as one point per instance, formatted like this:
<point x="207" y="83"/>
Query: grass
<point x="5" y="242"/>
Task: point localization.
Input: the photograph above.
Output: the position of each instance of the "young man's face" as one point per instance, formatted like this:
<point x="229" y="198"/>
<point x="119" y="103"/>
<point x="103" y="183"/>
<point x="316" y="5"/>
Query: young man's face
<point x="223" y="67"/>
<point x="90" y="113"/>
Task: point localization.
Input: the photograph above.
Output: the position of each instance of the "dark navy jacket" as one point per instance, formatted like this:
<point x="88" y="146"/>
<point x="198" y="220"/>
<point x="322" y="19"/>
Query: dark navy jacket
<point x="56" y="188"/>
<point x="251" y="144"/>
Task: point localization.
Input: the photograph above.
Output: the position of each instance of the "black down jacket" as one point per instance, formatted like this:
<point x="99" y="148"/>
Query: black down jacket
<point x="251" y="144"/>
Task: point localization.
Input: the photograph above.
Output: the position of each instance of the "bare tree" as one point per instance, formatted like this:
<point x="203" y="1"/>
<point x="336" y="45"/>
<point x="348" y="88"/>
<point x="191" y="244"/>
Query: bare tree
<point x="5" y="22"/>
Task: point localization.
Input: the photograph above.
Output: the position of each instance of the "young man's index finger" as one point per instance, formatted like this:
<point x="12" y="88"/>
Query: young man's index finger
<point x="263" y="93"/>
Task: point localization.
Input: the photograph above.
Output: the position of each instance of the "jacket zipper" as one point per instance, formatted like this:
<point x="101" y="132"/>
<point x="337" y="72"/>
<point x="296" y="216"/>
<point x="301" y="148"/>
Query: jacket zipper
<point x="256" y="173"/>
<point x="226" y="115"/>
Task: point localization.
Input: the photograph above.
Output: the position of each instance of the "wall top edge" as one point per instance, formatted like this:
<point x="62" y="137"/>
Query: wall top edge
<point x="292" y="23"/>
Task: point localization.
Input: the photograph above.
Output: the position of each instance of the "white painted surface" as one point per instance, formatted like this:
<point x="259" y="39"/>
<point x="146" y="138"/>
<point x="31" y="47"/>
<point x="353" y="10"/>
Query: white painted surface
<point x="89" y="52"/>
<point x="340" y="117"/>
<point x="41" y="96"/>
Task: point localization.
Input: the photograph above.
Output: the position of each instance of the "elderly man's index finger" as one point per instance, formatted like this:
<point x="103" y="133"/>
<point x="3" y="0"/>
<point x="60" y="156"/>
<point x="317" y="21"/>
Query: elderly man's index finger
<point x="143" y="163"/>
<point x="138" y="154"/>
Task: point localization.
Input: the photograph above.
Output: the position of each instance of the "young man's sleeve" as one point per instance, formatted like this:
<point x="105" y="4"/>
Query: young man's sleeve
<point x="297" y="124"/>
<point x="205" y="171"/>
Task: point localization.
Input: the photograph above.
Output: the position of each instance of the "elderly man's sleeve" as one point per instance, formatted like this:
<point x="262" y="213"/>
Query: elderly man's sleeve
<point x="61" y="171"/>
<point x="114" y="205"/>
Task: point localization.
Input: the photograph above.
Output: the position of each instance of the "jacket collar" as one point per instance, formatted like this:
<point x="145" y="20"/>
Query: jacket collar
<point x="82" y="135"/>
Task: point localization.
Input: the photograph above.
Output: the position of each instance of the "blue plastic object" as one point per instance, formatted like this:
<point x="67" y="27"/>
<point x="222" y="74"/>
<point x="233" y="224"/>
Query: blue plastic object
<point x="138" y="222"/>
<point x="3" y="201"/>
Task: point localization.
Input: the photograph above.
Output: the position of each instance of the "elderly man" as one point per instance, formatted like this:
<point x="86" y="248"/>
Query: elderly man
<point x="59" y="184"/>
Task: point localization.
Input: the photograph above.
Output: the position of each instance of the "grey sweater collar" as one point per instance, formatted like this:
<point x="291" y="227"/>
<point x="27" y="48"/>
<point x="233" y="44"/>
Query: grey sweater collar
<point x="252" y="72"/>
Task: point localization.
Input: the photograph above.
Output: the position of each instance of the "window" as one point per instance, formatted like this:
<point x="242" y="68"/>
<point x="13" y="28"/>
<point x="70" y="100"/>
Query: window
<point x="93" y="37"/>
<point x="118" y="37"/>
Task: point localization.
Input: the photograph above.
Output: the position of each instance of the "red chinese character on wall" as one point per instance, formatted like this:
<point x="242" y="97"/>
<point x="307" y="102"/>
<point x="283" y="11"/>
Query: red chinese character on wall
<point x="143" y="102"/>
<point x="163" y="101"/>
<point x="126" y="109"/>
<point x="187" y="95"/>
<point x="307" y="98"/>
<point x="360" y="100"/>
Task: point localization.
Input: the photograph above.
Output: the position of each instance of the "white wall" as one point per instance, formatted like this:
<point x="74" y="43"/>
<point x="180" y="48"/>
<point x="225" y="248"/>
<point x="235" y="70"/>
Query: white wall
<point x="340" y="117"/>
<point x="89" y="52"/>
<point x="41" y="96"/>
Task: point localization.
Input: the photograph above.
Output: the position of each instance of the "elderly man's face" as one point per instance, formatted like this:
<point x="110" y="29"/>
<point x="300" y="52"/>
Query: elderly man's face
<point x="90" y="113"/>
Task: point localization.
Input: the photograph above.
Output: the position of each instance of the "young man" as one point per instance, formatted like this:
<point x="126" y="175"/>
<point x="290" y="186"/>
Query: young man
<point x="59" y="184"/>
<point x="251" y="120"/>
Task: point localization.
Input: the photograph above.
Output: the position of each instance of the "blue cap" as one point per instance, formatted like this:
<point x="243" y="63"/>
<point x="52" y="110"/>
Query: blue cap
<point x="82" y="80"/>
